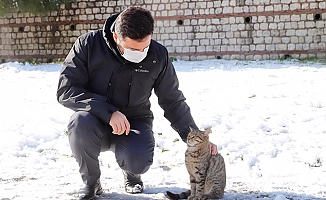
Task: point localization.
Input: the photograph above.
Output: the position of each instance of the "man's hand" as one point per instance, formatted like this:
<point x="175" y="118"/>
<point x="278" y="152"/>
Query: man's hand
<point x="119" y="123"/>
<point x="213" y="148"/>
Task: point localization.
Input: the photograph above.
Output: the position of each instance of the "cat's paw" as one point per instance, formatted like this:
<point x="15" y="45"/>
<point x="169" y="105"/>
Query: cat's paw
<point x="191" y="197"/>
<point x="198" y="198"/>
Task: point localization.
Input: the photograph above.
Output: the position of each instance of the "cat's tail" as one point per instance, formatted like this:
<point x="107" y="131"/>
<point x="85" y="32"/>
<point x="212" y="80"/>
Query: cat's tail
<point x="182" y="195"/>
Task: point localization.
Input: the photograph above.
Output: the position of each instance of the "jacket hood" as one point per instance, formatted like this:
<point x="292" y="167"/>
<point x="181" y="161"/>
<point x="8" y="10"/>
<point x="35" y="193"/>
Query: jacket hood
<point x="108" y="29"/>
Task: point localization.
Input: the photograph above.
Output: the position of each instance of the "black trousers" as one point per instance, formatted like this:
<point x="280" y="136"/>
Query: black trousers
<point x="88" y="136"/>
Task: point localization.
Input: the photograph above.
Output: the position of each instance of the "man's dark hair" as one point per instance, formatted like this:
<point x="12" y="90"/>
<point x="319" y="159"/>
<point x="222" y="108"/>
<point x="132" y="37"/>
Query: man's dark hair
<point x="135" y="23"/>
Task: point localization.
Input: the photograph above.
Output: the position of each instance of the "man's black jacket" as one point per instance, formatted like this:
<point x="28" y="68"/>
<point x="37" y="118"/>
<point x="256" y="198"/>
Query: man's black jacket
<point x="97" y="79"/>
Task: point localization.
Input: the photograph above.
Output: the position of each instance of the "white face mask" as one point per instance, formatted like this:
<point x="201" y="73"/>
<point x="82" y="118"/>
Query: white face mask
<point x="134" y="56"/>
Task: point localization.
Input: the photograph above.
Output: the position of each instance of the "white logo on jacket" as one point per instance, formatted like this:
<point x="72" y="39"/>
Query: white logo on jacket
<point x="142" y="70"/>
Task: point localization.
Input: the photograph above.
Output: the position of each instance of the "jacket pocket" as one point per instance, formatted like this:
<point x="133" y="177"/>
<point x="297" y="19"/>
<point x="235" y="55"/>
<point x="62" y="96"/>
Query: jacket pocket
<point x="140" y="90"/>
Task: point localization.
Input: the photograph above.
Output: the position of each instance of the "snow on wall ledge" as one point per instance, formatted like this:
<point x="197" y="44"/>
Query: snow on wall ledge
<point x="191" y="30"/>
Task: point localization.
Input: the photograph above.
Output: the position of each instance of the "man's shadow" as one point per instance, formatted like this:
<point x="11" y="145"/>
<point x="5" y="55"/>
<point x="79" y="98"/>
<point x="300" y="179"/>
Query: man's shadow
<point x="158" y="193"/>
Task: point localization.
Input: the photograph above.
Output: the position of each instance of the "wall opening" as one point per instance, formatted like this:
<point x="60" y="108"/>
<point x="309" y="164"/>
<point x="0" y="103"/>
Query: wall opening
<point x="287" y="56"/>
<point x="72" y="27"/>
<point x="248" y="19"/>
<point x="21" y="29"/>
<point x="317" y="16"/>
<point x="180" y="22"/>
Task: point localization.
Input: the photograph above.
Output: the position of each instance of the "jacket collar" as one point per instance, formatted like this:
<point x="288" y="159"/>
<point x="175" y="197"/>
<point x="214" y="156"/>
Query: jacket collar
<point x="108" y="29"/>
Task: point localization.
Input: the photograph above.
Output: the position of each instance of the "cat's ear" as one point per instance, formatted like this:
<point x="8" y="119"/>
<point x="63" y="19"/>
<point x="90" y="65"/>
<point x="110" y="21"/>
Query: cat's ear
<point x="191" y="129"/>
<point x="207" y="131"/>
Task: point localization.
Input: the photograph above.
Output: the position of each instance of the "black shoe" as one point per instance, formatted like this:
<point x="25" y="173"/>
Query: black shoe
<point x="89" y="192"/>
<point x="133" y="183"/>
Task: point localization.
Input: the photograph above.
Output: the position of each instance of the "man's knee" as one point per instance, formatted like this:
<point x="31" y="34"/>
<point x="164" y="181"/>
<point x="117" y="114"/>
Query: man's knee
<point x="135" y="152"/>
<point x="83" y="124"/>
<point x="136" y="163"/>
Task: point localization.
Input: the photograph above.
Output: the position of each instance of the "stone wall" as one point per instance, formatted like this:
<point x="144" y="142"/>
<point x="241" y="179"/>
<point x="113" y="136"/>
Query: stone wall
<point x="190" y="29"/>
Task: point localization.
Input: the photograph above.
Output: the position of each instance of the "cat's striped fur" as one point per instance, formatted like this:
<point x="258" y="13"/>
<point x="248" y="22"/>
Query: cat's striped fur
<point x="207" y="172"/>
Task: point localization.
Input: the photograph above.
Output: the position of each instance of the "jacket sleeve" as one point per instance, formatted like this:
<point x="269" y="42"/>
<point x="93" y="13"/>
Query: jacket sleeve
<point x="172" y="101"/>
<point x="73" y="80"/>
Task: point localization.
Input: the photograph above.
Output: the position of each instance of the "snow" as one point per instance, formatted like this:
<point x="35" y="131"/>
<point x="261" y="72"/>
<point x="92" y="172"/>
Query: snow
<point x="267" y="118"/>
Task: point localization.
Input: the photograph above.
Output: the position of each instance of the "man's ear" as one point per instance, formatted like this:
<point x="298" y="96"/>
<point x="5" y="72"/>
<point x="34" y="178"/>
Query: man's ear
<point x="115" y="36"/>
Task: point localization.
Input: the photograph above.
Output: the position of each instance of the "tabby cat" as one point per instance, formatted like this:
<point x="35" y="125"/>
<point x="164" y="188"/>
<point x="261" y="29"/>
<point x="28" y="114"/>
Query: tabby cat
<point x="207" y="171"/>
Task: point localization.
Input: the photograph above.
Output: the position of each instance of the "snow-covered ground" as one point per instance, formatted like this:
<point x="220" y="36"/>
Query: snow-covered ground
<point x="268" y="119"/>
